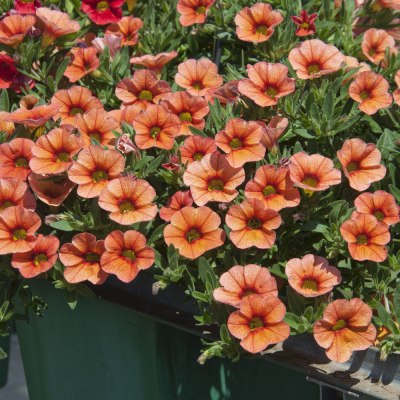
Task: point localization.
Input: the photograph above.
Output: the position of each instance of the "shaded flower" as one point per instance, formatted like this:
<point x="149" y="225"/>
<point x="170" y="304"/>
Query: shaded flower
<point x="126" y="146"/>
<point x="305" y="23"/>
<point x="82" y="63"/>
<point x="6" y="126"/>
<point x="11" y="78"/>
<point x="86" y="40"/>
<point x="24" y="7"/>
<point x="273" y="132"/>
<point x="127" y="27"/>
<point x="352" y="63"/>
<point x="374" y="44"/>
<point x="175" y="203"/>
<point x="154" y="63"/>
<point x="14" y="28"/>
<point x="193" y="11"/>
<point x="14" y="192"/>
<point x="103" y="12"/>
<point x="28" y="102"/>
<point x="396" y="93"/>
<point x="15" y="157"/>
<point x="114" y="43"/>
<point x="173" y="164"/>
<point x="228" y="93"/>
<point x="127" y="114"/>
<point x="196" y="147"/>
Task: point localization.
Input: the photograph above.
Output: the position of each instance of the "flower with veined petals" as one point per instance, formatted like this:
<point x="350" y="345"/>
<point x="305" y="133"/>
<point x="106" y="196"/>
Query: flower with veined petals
<point x="193" y="11"/>
<point x="193" y="231"/>
<point x="272" y="132"/>
<point x="14" y="28"/>
<point x="28" y="102"/>
<point x="52" y="153"/>
<point x="10" y="77"/>
<point x="273" y="187"/>
<point x="256" y="24"/>
<point x="14" y="192"/>
<point x="24" y="7"/>
<point x="240" y="282"/>
<point x="173" y="164"/>
<point x="361" y="163"/>
<point x="190" y="110"/>
<point x="371" y="91"/>
<point x="38" y="260"/>
<point x="114" y="43"/>
<point x="126" y="254"/>
<point x="241" y="141"/>
<point x="126" y="114"/>
<point x="155" y="63"/>
<point x="259" y="323"/>
<point x="396" y="93"/>
<point x="6" y="126"/>
<point x="345" y="327"/>
<point x="142" y="89"/>
<point x="76" y="100"/>
<point x="156" y="127"/>
<point x="15" y="157"/>
<point x="103" y="12"/>
<point x="198" y="76"/>
<point x="352" y="63"/>
<point x="176" y="203"/>
<point x="128" y="28"/>
<point x="380" y="204"/>
<point x="213" y="179"/>
<point x="17" y="230"/>
<point x="315" y="58"/>
<point x="305" y="23"/>
<point x="82" y="259"/>
<point x="129" y="201"/>
<point x="374" y="44"/>
<point x="366" y="237"/>
<point x="94" y="168"/>
<point x="195" y="147"/>
<point x="312" y="276"/>
<point x="228" y="93"/>
<point x="313" y="173"/>
<point x="267" y="83"/>
<point x="82" y="63"/>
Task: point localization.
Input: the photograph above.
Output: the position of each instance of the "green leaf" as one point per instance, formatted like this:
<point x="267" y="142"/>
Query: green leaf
<point x="62" y="226"/>
<point x="395" y="192"/>
<point x="224" y="333"/>
<point x="327" y="108"/>
<point x="72" y="298"/>
<point x="296" y="302"/>
<point x="60" y="71"/>
<point x="95" y="142"/>
<point x="196" y="131"/>
<point x="171" y="252"/>
<point x="309" y="313"/>
<point x="305" y="133"/>
<point x="205" y="271"/>
<point x="297" y="148"/>
<point x="4" y="102"/>
<point x="386" y="318"/>
<point x="396" y="303"/>
<point x="157" y="234"/>
<point x="292" y="320"/>
<point x="200" y="296"/>
<point x="154" y="165"/>
<point x="3" y="354"/>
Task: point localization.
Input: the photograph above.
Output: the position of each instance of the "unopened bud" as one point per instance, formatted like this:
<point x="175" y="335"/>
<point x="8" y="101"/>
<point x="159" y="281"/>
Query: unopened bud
<point x="284" y="162"/>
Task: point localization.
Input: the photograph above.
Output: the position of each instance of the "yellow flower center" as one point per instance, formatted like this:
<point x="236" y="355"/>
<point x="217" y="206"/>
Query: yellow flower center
<point x="126" y="206"/>
<point x="27" y="1"/>
<point x="98" y="176"/>
<point x="379" y="215"/>
<point x="271" y="92"/>
<point x="201" y="10"/>
<point x="19" y="234"/>
<point x="192" y="235"/>
<point x="154" y="131"/>
<point x="102" y="5"/>
<point x="185" y="117"/>
<point x="310" y="180"/>
<point x="92" y="257"/>
<point x="198" y="156"/>
<point x="254" y="223"/>
<point x="215" y="184"/>
<point x="21" y="162"/>
<point x="87" y="67"/>
<point x="353" y="166"/>
<point x="96" y="136"/>
<point x="145" y="95"/>
<point x="310" y="284"/>
<point x="197" y="85"/>
<point x="269" y="190"/>
<point x="235" y="144"/>
<point x="362" y="239"/>
<point x="75" y="110"/>
<point x="372" y="51"/>
<point x="5" y="204"/>
<point x="339" y="325"/>
<point x="364" y="95"/>
<point x="247" y="292"/>
<point x="39" y="259"/>
<point x="304" y="25"/>
<point x="62" y="157"/>
<point x="129" y="254"/>
<point x="313" y="69"/>
<point x="256" y="323"/>
<point x="262" y="29"/>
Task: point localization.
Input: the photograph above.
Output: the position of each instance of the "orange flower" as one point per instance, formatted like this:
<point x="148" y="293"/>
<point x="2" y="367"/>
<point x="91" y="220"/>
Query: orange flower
<point x="273" y="132"/>
<point x="17" y="230"/>
<point x="193" y="11"/>
<point x="94" y="168"/>
<point x="305" y="23"/>
<point x="28" y="102"/>
<point x="196" y="147"/>
<point x="14" y="28"/>
<point x="312" y="276"/>
<point x="396" y="93"/>
<point x="313" y="173"/>
<point x="15" y="157"/>
<point x="225" y="94"/>
<point x="366" y="237"/>
<point x="154" y="63"/>
<point x="83" y="62"/>
<point x="53" y="152"/>
<point x="112" y="41"/>
<point x="126" y="254"/>
<point x="374" y="44"/>
<point x="361" y="163"/>
<point x="240" y="282"/>
<point x="190" y="110"/>
<point x="344" y="328"/>
<point x="259" y="323"/>
<point x="76" y="100"/>
<point x="352" y="63"/>
<point x="128" y="28"/>
<point x="38" y="260"/>
<point x="314" y="58"/>
<point x="126" y="114"/>
<point x="142" y="89"/>
<point x="193" y="231"/>
<point x="82" y="259"/>
<point x="156" y="127"/>
<point x="273" y="187"/>
<point x="213" y="179"/>
<point x="6" y="126"/>
<point x="256" y="24"/>
<point x="198" y="76"/>
<point x="175" y="203"/>
<point x="14" y="192"/>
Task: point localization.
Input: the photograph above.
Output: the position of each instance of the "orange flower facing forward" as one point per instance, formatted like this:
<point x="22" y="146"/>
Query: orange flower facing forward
<point x="17" y="230"/>
<point x="314" y="58"/>
<point x="344" y="328"/>
<point x="380" y="204"/>
<point x="38" y="260"/>
<point x="14" y="192"/>
<point x="361" y="163"/>
<point x="396" y="93"/>
<point x="229" y="93"/>
<point x="241" y="141"/>
<point x="76" y="100"/>
<point x="193" y="231"/>
<point x="126" y="254"/>
<point x="94" y="168"/>
<point x="273" y="187"/>
<point x="252" y="223"/>
<point x="240" y="282"/>
<point x="193" y="11"/>
<point x="213" y="179"/>
<point x="190" y="110"/>
<point x="175" y="203"/>
<point x="14" y="28"/>
<point x="366" y="237"/>
<point x="196" y="147"/>
<point x="198" y="76"/>
<point x="371" y="91"/>
<point x="6" y="126"/>
<point x="374" y="44"/>
<point x="155" y="63"/>
<point x="15" y="157"/>
<point x="312" y="276"/>
<point x="256" y="24"/>
<point x="156" y="127"/>
<point x="83" y="62"/>
<point x="82" y="259"/>
<point x="259" y="323"/>
<point x="313" y="173"/>
<point x="273" y="132"/>
<point x="267" y="83"/>
<point x="128" y="28"/>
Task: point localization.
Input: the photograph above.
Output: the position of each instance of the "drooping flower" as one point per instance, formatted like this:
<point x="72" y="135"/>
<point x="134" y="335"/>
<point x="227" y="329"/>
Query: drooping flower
<point x="305" y="23"/>
<point x="213" y="179"/>
<point x="14" y="192"/>
<point x="193" y="231"/>
<point x="28" y="102"/>
<point x="256" y="24"/>
<point x="155" y="63"/>
<point x="126" y="254"/>
<point x="176" y="203"/>
<point x="196" y="147"/>
<point x="228" y="93"/>
<point x="173" y="164"/>
<point x="15" y="157"/>
<point x="6" y="126"/>
<point x="315" y="58"/>
<point x="126" y="146"/>
<point x="374" y="44"/>
<point x="344" y="328"/>
<point x="103" y="12"/>
<point x="11" y="78"/>
<point x="14" y="28"/>
<point x="272" y="132"/>
<point x="83" y="62"/>
<point x="396" y="93"/>
<point x="352" y="63"/>
<point x="114" y="43"/>
<point x="128" y="28"/>
<point x="24" y="7"/>
<point x="193" y="11"/>
<point x="361" y="163"/>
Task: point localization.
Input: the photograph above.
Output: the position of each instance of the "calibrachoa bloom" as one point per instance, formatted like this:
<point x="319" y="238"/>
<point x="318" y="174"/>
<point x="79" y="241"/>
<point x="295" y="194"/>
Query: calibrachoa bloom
<point x="273" y="187"/>
<point x="374" y="44"/>
<point x="213" y="179"/>
<point x="10" y="77"/>
<point x="126" y="254"/>
<point x="344" y="328"/>
<point x="27" y="6"/>
<point x="272" y="132"/>
<point x="361" y="163"/>
<point x="82" y="259"/>
<point x="15" y="157"/>
<point x="193" y="231"/>
<point x="114" y="43"/>
<point x="240" y="282"/>
<point x="14" y="192"/>
<point x="352" y="63"/>
<point x="312" y="276"/>
<point x="175" y="203"/>
<point x="396" y="93"/>
<point x="193" y="11"/>
<point x="196" y="147"/>
<point x="28" y="102"/>
<point x="154" y="63"/>
<point x="83" y="62"/>
<point x="305" y="23"/>
<point x="259" y="323"/>
<point x="127" y="28"/>
<point x="6" y="126"/>
<point x="103" y="12"/>
<point x="127" y="114"/>
<point x="38" y="260"/>
<point x="14" y="28"/>
<point x="256" y="24"/>
<point x="229" y="93"/>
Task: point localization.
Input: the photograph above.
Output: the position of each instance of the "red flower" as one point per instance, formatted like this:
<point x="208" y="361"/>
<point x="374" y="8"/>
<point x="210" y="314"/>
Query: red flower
<point x="103" y="12"/>
<point x="305" y="23"/>
<point x="27" y="7"/>
<point x="193" y="11"/>
<point x="175" y="203"/>
<point x="10" y="77"/>
<point x="15" y="157"/>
